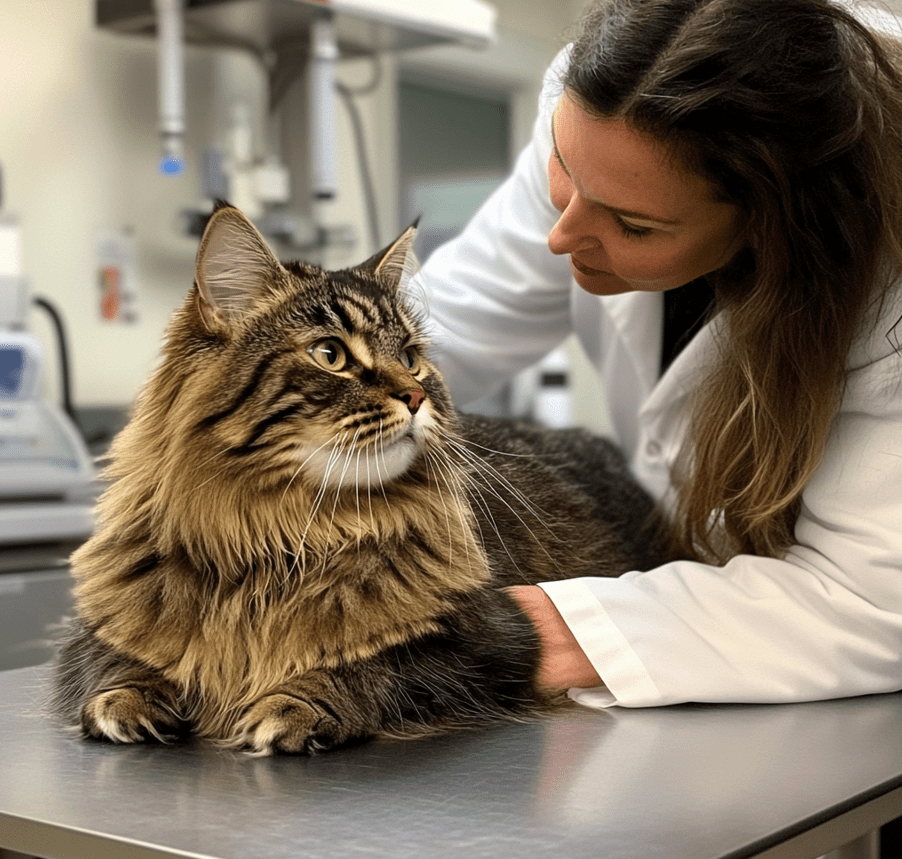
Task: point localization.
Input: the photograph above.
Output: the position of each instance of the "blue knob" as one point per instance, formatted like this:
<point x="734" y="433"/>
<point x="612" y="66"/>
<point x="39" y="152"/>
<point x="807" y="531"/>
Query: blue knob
<point x="171" y="166"/>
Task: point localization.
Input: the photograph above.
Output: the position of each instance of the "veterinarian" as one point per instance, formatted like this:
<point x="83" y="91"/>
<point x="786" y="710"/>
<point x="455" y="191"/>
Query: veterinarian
<point x="712" y="201"/>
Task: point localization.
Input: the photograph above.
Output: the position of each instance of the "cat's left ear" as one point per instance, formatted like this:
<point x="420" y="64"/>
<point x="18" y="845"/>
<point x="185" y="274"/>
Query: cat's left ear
<point x="396" y="264"/>
<point x="234" y="264"/>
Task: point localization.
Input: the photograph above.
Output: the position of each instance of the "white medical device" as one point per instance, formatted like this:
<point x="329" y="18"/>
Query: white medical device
<point x="46" y="473"/>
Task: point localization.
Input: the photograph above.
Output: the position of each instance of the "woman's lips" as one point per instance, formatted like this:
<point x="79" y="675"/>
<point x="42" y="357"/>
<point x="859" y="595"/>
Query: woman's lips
<point x="587" y="270"/>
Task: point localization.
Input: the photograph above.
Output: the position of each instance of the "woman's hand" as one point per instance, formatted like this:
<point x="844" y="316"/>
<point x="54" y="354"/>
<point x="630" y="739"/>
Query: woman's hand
<point x="563" y="662"/>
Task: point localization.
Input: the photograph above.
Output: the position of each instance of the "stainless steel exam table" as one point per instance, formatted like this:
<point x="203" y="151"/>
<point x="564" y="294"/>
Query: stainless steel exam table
<point x="690" y="782"/>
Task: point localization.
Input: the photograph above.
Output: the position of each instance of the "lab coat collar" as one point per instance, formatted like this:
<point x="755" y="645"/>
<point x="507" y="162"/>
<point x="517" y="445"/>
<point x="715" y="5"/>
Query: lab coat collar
<point x="639" y="319"/>
<point x="684" y="373"/>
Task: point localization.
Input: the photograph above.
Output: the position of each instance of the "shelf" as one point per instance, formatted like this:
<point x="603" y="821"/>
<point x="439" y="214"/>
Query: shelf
<point x="363" y="26"/>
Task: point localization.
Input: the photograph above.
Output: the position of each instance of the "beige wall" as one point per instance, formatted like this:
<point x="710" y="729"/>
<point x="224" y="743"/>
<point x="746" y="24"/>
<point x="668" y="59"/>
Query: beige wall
<point x="79" y="155"/>
<point x="78" y="149"/>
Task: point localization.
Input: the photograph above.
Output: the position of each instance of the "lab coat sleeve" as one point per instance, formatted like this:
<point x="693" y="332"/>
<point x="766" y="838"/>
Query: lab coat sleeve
<point x="825" y="621"/>
<point x="497" y="299"/>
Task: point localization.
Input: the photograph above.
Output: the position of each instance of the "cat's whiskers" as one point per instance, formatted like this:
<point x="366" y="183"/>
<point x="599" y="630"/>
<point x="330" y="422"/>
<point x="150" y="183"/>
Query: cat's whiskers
<point x="213" y="476"/>
<point x="490" y="471"/>
<point x="351" y="448"/>
<point x="486" y="472"/>
<point x="433" y="468"/>
<point x="300" y="468"/>
<point x="379" y="450"/>
<point x="472" y="443"/>
<point x="369" y="494"/>
<point x="341" y="479"/>
<point x="458" y="493"/>
<point x="361" y="451"/>
<point x="485" y="477"/>
<point x="334" y="454"/>
<point x="357" y="498"/>
<point x="435" y="474"/>
<point x="464" y="482"/>
<point x="478" y="498"/>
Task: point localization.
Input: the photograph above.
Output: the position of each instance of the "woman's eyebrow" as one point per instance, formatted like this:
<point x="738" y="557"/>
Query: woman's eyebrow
<point x="554" y="150"/>
<point x="627" y="213"/>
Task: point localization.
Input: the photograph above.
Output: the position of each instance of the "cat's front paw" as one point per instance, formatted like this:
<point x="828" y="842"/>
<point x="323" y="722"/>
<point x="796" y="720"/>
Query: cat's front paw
<point x="131" y="714"/>
<point x="284" y="723"/>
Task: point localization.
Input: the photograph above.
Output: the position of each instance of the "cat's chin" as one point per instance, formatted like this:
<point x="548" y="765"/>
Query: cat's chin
<point x="385" y="466"/>
<point x="366" y="469"/>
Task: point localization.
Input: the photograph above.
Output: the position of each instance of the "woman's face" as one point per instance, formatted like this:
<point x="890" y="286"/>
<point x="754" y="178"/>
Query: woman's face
<point x="631" y="218"/>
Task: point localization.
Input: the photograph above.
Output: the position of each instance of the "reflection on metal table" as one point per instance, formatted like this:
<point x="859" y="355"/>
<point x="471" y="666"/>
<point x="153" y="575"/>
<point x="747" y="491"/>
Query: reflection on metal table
<point x="690" y="782"/>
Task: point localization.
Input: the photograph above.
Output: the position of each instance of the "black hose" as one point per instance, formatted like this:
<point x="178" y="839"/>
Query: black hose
<point x="65" y="375"/>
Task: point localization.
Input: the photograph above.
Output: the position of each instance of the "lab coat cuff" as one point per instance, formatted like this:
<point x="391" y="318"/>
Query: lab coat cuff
<point x="627" y="683"/>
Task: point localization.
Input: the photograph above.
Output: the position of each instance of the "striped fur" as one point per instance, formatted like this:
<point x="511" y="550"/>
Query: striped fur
<point x="296" y="552"/>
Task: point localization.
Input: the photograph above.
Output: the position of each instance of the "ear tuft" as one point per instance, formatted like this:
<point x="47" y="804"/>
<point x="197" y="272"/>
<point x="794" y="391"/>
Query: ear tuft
<point x="397" y="263"/>
<point x="234" y="265"/>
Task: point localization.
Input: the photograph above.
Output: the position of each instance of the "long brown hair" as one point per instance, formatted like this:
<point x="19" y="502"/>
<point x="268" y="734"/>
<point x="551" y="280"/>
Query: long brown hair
<point x="793" y="110"/>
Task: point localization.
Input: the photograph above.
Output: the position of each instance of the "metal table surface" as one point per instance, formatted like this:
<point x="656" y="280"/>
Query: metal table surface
<point x="689" y="782"/>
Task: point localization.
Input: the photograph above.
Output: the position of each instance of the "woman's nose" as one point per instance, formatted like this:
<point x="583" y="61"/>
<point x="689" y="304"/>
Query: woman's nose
<point x="571" y="234"/>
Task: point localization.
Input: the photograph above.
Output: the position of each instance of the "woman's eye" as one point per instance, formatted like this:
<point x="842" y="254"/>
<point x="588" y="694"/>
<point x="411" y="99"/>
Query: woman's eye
<point x="632" y="231"/>
<point x="410" y="358"/>
<point x="329" y="354"/>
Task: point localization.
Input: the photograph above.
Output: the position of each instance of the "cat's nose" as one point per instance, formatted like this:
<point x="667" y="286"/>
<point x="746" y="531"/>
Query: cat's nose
<point x="412" y="398"/>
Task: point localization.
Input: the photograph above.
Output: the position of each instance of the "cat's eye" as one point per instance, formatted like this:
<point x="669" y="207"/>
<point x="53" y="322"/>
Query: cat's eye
<point x="329" y="354"/>
<point x="410" y="358"/>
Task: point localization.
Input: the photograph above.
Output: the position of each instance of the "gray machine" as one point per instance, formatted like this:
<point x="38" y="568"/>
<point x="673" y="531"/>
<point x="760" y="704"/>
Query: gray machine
<point x="47" y="479"/>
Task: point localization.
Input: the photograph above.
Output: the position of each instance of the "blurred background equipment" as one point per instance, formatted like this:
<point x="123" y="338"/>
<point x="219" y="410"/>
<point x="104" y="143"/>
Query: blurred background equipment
<point x="45" y="467"/>
<point x="291" y="39"/>
<point x="47" y="487"/>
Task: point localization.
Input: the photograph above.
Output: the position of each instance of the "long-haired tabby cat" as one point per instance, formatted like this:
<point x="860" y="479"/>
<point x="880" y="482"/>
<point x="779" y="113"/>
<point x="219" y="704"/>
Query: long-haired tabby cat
<point x="303" y="544"/>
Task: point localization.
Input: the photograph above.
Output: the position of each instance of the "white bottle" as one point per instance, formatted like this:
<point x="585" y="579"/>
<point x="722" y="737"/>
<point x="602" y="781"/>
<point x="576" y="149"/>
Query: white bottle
<point x="553" y="404"/>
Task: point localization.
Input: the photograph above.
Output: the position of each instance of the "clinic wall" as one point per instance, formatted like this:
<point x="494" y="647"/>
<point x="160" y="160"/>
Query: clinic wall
<point x="78" y="149"/>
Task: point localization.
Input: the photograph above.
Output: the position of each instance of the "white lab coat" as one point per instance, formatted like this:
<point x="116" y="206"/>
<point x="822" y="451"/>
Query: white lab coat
<point x="823" y="622"/>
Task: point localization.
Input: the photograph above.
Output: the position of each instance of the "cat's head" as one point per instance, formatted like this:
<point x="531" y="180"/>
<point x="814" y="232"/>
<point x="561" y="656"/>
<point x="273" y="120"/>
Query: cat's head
<point x="294" y="374"/>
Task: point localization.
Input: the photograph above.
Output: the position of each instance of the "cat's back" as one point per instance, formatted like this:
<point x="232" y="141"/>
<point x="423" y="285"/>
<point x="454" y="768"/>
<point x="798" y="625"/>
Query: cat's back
<point x="557" y="504"/>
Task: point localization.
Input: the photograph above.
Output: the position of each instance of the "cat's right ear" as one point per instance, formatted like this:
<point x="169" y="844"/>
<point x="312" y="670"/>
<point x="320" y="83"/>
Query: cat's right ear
<point x="396" y="264"/>
<point x="234" y="264"/>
